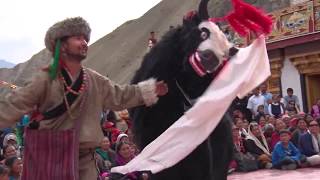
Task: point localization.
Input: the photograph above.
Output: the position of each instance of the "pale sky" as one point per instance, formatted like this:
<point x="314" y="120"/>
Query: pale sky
<point x="23" y="23"/>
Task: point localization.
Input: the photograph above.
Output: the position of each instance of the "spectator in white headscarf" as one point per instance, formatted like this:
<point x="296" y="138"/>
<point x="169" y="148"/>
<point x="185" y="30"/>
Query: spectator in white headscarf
<point x="257" y="145"/>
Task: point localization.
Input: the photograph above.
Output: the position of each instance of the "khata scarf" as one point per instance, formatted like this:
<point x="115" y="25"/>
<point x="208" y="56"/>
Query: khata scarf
<point x="264" y="147"/>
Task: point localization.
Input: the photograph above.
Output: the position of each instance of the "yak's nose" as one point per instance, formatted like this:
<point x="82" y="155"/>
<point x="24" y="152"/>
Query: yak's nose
<point x="208" y="60"/>
<point x="233" y="51"/>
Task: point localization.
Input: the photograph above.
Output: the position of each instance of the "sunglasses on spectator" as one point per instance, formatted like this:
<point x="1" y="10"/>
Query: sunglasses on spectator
<point x="313" y="124"/>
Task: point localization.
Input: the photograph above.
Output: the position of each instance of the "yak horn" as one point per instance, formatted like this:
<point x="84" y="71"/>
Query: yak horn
<point x="203" y="10"/>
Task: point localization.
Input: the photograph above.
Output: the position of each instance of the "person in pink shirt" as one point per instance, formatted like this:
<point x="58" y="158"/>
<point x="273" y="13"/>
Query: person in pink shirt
<point x="315" y="111"/>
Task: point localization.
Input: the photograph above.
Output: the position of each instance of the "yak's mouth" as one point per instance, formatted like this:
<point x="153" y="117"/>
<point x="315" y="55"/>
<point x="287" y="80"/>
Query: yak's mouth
<point x="204" y="62"/>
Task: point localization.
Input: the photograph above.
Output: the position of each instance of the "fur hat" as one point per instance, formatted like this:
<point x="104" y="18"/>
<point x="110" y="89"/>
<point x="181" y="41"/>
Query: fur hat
<point x="68" y="27"/>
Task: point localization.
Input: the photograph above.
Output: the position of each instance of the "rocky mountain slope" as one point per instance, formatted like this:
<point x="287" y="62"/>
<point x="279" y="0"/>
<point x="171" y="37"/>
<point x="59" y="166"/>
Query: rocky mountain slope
<point x="119" y="53"/>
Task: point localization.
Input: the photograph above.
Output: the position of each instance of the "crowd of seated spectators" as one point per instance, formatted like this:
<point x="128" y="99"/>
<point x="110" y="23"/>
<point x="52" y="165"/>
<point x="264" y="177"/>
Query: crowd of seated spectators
<point x="276" y="135"/>
<point x="269" y="132"/>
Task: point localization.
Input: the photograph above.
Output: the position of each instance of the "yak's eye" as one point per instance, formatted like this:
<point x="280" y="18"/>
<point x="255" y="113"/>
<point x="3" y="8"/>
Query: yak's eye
<point x="205" y="33"/>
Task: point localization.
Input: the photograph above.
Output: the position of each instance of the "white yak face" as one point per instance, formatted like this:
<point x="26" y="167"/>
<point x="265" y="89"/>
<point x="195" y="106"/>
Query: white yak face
<point x="214" y="48"/>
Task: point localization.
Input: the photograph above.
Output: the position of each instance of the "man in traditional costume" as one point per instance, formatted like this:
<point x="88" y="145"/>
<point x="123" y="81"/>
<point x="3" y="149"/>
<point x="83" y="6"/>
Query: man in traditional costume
<point x="69" y="97"/>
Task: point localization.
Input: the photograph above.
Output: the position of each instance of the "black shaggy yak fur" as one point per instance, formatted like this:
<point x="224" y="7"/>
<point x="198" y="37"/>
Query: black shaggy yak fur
<point x="168" y="61"/>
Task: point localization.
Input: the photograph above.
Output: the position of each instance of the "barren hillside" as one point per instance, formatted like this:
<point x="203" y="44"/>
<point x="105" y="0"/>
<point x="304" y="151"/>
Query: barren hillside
<point x="119" y="53"/>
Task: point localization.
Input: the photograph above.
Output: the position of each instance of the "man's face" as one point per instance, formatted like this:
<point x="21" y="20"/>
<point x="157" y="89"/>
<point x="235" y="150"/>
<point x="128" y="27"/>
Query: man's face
<point x="314" y="127"/>
<point x="75" y="47"/>
<point x="291" y="104"/>
<point x="289" y="93"/>
<point x="256" y="91"/>
<point x="302" y="124"/>
<point x="263" y="88"/>
<point x="285" y="137"/>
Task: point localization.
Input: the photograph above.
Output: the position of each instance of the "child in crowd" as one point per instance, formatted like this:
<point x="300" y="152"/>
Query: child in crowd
<point x="260" y="113"/>
<point x="285" y="155"/>
<point x="276" y="109"/>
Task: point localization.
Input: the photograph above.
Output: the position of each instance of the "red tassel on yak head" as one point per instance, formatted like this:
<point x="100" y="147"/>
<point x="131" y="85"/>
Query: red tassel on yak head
<point x="246" y="18"/>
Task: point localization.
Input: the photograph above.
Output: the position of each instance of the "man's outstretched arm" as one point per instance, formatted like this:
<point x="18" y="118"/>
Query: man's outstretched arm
<point x="21" y="101"/>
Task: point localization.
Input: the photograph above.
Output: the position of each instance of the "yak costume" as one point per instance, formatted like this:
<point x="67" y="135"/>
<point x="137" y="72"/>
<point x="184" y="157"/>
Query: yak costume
<point x="171" y="146"/>
<point x="199" y="65"/>
<point x="69" y="102"/>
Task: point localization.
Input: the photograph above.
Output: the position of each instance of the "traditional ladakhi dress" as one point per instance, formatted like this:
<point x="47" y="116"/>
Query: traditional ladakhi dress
<point x="45" y="94"/>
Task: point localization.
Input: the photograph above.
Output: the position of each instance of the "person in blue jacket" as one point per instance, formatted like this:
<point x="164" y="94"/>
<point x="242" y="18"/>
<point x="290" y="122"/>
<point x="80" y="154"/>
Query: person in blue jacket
<point x="285" y="155"/>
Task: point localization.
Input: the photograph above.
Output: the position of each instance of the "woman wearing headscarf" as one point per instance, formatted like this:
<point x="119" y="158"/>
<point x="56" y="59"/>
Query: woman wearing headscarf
<point x="123" y="156"/>
<point x="105" y="156"/>
<point x="256" y="144"/>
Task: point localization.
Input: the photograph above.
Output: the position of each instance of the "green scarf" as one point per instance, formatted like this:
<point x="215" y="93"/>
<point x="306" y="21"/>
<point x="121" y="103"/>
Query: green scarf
<point x="103" y="154"/>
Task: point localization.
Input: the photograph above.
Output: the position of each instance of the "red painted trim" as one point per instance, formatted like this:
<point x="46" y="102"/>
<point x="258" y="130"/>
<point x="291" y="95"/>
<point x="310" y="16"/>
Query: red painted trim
<point x="293" y="41"/>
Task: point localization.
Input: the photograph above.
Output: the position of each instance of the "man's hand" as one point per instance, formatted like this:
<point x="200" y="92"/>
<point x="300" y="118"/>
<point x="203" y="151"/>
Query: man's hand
<point x="161" y="88"/>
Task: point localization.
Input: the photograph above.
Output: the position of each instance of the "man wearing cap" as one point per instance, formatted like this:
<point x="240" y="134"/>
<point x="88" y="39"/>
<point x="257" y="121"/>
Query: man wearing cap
<point x="286" y="155"/>
<point x="66" y="84"/>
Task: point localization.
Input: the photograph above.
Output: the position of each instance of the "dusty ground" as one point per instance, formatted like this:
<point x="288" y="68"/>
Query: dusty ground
<point x="299" y="174"/>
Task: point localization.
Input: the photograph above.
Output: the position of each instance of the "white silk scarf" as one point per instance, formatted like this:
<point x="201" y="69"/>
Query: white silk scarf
<point x="245" y="71"/>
